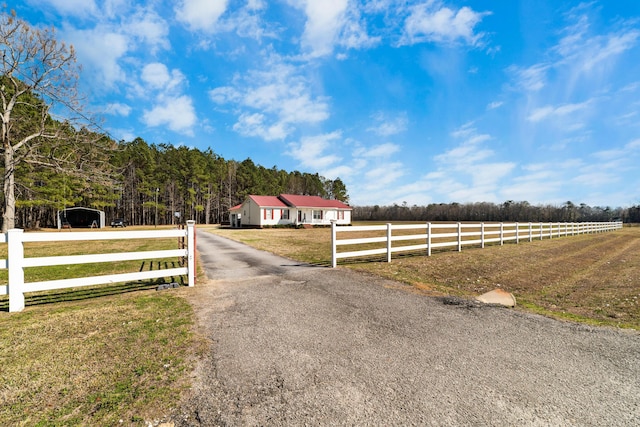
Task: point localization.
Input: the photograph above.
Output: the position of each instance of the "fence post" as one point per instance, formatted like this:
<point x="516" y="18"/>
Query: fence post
<point x="541" y="231"/>
<point x="459" y="237"/>
<point x="501" y="233"/>
<point x="15" y="251"/>
<point x="191" y="255"/>
<point x="428" y="239"/>
<point x="517" y="233"/>
<point x="482" y="235"/>
<point x="388" y="242"/>
<point x="530" y="232"/>
<point x="334" y="246"/>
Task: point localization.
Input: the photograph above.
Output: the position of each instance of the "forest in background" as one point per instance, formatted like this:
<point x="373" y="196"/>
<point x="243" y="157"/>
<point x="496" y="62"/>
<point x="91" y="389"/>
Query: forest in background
<point x="509" y="211"/>
<point x="152" y="183"/>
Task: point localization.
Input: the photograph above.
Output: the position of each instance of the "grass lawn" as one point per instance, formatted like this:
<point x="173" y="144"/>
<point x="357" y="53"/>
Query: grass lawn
<point x="121" y="359"/>
<point x="592" y="278"/>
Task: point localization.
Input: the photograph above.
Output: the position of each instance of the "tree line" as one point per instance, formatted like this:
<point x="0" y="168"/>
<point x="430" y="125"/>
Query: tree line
<point x="510" y="210"/>
<point x="160" y="184"/>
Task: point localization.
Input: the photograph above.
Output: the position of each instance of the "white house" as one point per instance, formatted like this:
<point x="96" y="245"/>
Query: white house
<point x="260" y="211"/>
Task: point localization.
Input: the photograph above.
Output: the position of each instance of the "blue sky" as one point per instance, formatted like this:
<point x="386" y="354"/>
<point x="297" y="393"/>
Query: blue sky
<point x="406" y="101"/>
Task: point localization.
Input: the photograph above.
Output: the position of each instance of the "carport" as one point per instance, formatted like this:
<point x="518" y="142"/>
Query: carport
<point x="80" y="217"/>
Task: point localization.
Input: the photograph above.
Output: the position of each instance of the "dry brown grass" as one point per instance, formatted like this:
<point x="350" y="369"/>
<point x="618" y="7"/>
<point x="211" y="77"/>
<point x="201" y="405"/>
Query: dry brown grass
<point x="591" y="278"/>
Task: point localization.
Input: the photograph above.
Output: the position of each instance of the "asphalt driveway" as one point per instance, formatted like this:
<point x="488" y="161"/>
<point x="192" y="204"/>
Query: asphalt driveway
<point x="293" y="344"/>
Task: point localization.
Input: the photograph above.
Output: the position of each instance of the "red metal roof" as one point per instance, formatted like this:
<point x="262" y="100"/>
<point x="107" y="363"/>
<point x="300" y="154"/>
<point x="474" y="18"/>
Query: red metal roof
<point x="236" y="207"/>
<point x="312" y="202"/>
<point x="268" y="201"/>
<point x="296" y="201"/>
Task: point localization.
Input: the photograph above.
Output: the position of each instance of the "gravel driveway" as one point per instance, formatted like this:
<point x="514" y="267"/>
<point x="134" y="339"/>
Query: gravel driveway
<point x="300" y="345"/>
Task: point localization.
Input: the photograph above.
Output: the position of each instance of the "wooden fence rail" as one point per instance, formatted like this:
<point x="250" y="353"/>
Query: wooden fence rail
<point x="16" y="262"/>
<point x="379" y="239"/>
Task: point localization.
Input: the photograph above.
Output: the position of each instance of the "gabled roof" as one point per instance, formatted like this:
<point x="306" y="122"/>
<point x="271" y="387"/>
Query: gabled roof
<point x="236" y="207"/>
<point x="268" y="201"/>
<point x="312" y="202"/>
<point x="295" y="201"/>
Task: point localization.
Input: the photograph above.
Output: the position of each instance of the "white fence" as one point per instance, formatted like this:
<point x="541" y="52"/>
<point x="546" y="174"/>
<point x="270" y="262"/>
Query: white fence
<point x="16" y="262"/>
<point x="443" y="235"/>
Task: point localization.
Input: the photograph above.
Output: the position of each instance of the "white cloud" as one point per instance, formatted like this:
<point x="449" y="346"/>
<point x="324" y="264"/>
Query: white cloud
<point x="148" y="28"/>
<point x="548" y="111"/>
<point x="596" y="178"/>
<point x="157" y="76"/>
<point x="225" y="94"/>
<point x="310" y="151"/>
<point x="73" y="7"/>
<point x="331" y="23"/>
<point x="281" y="96"/>
<point x="584" y="51"/>
<point x="434" y="22"/>
<point x="254" y="125"/>
<point x="118" y="109"/>
<point x="177" y="113"/>
<point x="201" y="15"/>
<point x="633" y="145"/>
<point x="495" y="104"/>
<point x="579" y="57"/>
<point x="342" y="171"/>
<point x="532" y="78"/>
<point x="389" y="126"/>
<point x="384" y="175"/>
<point x="100" y="50"/>
<point x="324" y="21"/>
<point x="256" y="4"/>
<point x="382" y="150"/>
<point x="469" y="152"/>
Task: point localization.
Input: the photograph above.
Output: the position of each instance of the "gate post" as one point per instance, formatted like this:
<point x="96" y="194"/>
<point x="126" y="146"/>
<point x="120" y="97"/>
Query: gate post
<point x="15" y="252"/>
<point x="334" y="246"/>
<point x="191" y="255"/>
<point x="388" y="242"/>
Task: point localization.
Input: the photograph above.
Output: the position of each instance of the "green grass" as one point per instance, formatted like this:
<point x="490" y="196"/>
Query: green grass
<point x="96" y="362"/>
<point x="117" y="354"/>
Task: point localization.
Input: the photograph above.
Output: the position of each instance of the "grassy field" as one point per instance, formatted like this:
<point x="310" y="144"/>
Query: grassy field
<point x="591" y="278"/>
<point x="100" y="355"/>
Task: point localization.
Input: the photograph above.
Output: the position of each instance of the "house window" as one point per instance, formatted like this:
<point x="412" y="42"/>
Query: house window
<point x="268" y="214"/>
<point x="317" y="215"/>
<point x="340" y="214"/>
<point x="285" y="214"/>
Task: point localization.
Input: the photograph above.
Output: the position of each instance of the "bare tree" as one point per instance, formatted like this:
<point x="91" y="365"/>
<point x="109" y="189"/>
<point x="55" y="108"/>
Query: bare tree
<point x="38" y="76"/>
